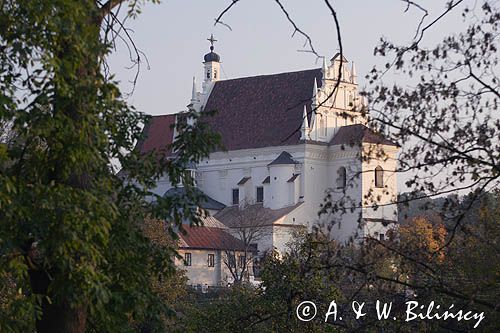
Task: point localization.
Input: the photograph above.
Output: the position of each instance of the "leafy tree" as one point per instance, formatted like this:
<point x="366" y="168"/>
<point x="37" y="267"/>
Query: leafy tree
<point x="286" y="281"/>
<point x="169" y="285"/>
<point x="297" y="276"/>
<point x="71" y="237"/>
<point x="426" y="240"/>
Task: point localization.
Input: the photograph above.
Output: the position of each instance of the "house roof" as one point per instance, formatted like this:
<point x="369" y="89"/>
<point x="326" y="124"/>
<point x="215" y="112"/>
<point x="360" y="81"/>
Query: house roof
<point x="256" y="112"/>
<point x="233" y="216"/>
<point x="283" y="158"/>
<point x="355" y="134"/>
<point x="158" y="134"/>
<point x="212" y="222"/>
<point x="208" y="238"/>
<point x="261" y="111"/>
<point x="206" y="203"/>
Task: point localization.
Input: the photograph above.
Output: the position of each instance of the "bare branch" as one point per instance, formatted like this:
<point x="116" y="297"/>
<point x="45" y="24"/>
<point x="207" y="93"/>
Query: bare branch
<point x="107" y="8"/>
<point x="218" y="19"/>
<point x="297" y="29"/>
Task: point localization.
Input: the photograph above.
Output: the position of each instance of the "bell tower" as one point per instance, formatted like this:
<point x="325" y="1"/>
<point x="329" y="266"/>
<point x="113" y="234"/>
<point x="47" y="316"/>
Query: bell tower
<point x="211" y="62"/>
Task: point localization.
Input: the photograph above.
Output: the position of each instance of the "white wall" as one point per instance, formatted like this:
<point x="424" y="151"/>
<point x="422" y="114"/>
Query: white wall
<point x="223" y="170"/>
<point x="386" y="196"/>
<point x="318" y="167"/>
<point x="200" y="273"/>
<point x="279" y="188"/>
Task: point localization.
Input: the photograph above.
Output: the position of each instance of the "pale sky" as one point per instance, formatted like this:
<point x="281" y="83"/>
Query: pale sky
<point x="173" y="36"/>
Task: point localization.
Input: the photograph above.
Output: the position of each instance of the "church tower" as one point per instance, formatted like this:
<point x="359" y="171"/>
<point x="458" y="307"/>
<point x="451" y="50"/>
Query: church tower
<point x="212" y="66"/>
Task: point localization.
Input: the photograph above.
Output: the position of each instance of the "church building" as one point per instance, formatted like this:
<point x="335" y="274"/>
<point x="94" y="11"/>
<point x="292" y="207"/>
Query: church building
<point x="289" y="145"/>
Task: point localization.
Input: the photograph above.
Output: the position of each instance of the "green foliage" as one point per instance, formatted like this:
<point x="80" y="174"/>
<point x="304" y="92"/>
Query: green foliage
<point x="319" y="270"/>
<point x="73" y="255"/>
<point x="286" y="281"/>
<point x="298" y="276"/>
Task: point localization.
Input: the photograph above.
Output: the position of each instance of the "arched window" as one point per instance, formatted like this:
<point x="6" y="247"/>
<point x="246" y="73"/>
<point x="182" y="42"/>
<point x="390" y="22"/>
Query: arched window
<point x="208" y="74"/>
<point x="342" y="178"/>
<point x="379" y="176"/>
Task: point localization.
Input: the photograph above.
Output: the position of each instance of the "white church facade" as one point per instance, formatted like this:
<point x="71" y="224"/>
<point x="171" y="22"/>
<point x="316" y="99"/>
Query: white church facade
<point x="288" y="143"/>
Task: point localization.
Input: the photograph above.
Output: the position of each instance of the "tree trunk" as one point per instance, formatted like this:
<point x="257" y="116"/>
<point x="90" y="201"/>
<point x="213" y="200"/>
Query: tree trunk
<point x="59" y="315"/>
<point x="60" y="318"/>
<point x="56" y="317"/>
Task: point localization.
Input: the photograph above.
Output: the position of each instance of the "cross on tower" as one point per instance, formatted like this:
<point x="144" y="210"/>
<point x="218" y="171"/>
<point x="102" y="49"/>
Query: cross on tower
<point x="212" y="40"/>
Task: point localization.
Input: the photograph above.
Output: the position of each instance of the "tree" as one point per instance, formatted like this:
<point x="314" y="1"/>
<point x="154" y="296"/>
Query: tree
<point x="286" y="281"/>
<point x="70" y="229"/>
<point x="250" y="224"/>
<point x="169" y="285"/>
<point x="446" y="118"/>
<point x="444" y="114"/>
<point x="426" y="240"/>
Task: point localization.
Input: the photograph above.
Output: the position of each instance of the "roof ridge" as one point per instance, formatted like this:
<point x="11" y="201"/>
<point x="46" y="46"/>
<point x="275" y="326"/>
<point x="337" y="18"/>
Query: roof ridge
<point x="163" y="115"/>
<point x="264" y="75"/>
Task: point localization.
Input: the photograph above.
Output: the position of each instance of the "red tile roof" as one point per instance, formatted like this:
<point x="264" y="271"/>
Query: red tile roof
<point x="356" y="134"/>
<point x="261" y="111"/>
<point x="158" y="134"/>
<point x="209" y="238"/>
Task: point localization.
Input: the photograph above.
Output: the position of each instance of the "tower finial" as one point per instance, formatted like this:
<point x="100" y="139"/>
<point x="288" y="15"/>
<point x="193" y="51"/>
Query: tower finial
<point x="324" y="69"/>
<point x="354" y="75"/>
<point x="315" y="93"/>
<point x="211" y="40"/>
<point x="194" y="91"/>
<point x="304" y="129"/>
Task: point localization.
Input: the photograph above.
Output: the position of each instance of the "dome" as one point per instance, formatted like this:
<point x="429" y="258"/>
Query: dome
<point x="212" y="56"/>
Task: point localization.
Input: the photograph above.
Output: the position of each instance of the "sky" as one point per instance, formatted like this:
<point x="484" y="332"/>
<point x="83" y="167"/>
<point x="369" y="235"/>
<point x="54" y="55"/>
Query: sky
<point x="173" y="37"/>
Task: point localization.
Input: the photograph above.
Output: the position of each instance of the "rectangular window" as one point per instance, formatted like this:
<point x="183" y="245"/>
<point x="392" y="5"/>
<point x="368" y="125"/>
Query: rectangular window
<point x="260" y="194"/>
<point x="381" y="237"/>
<point x="187" y="259"/>
<point x="236" y="196"/>
<point x="211" y="260"/>
<point x="241" y="261"/>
